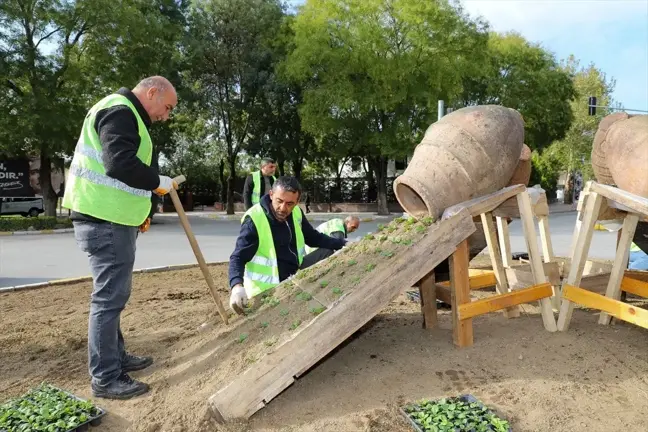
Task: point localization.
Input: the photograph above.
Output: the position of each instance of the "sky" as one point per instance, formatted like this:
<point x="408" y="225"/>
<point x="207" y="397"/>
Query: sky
<point x="612" y="34"/>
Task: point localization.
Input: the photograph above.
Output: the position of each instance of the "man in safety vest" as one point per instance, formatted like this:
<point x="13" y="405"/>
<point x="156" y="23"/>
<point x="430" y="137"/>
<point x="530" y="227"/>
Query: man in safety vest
<point x="108" y="190"/>
<point x="272" y="243"/>
<point x="337" y="228"/>
<point x="259" y="183"/>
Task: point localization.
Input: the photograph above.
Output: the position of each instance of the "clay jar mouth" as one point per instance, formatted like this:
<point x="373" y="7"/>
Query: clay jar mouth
<point x="411" y="201"/>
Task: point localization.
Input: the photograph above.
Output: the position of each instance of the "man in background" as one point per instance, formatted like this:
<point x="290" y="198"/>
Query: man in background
<point x="259" y="183"/>
<point x="336" y="228"/>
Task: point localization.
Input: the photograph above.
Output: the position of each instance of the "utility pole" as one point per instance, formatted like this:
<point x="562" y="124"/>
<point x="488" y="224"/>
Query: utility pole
<point x="440" y="110"/>
<point x="591" y="107"/>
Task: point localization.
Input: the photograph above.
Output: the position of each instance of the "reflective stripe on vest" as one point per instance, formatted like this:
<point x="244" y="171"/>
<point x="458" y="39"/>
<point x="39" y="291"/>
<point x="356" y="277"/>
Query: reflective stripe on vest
<point x="328" y="228"/>
<point x="262" y="272"/>
<point x="89" y="190"/>
<point x="256" y="190"/>
<point x="635" y="248"/>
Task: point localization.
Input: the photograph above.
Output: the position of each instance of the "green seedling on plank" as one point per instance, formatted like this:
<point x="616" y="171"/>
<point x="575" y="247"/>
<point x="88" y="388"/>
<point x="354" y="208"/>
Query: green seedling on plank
<point x="317" y="310"/>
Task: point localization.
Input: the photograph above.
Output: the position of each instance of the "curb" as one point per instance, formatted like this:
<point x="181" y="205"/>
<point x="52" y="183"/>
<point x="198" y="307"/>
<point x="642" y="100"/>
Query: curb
<point x="39" y="232"/>
<point x="70" y="281"/>
<point x="316" y="218"/>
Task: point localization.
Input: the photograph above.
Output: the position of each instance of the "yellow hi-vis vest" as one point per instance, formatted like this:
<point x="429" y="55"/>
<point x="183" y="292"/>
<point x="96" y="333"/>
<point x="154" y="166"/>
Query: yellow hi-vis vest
<point x="256" y="191"/>
<point x="262" y="272"/>
<point x="90" y="191"/>
<point x="635" y="248"/>
<point x="328" y="228"/>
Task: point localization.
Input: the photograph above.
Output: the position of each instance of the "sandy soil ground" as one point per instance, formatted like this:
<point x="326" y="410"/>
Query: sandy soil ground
<point x="592" y="378"/>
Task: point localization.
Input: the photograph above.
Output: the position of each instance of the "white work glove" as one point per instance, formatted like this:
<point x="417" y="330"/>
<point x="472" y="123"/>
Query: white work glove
<point x="238" y="299"/>
<point x="166" y="183"/>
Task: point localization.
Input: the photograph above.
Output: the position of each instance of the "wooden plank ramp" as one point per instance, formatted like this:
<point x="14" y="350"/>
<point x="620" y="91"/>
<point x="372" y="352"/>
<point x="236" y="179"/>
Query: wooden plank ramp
<point x="260" y="383"/>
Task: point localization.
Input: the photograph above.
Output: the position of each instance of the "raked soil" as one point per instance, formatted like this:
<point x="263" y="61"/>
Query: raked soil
<point x="591" y="378"/>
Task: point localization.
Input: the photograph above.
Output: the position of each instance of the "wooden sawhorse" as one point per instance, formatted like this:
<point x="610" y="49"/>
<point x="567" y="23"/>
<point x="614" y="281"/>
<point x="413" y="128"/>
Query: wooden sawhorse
<point x="457" y="291"/>
<point x="633" y="207"/>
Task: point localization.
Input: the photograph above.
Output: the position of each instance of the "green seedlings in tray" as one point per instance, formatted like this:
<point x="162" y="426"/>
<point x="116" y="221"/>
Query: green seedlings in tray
<point x="370" y="267"/>
<point x="407" y="242"/>
<point x="395" y="240"/>
<point x="317" y="310"/>
<point x="324" y="284"/>
<point x="369" y="237"/>
<point x="388" y="254"/>
<point x="391" y="228"/>
<point x="382" y="238"/>
<point x="355" y="280"/>
<point x="304" y="296"/>
<point x="264" y="324"/>
<point x="283" y="312"/>
<point x="377" y="250"/>
<point x="381" y="227"/>
<point x="337" y="291"/>
<point x="420" y="229"/>
<point x="410" y="221"/>
<point x="399" y="220"/>
<point x="45" y="408"/>
<point x="295" y="324"/>
<point x="242" y="337"/>
<point x="352" y="262"/>
<point x="454" y="414"/>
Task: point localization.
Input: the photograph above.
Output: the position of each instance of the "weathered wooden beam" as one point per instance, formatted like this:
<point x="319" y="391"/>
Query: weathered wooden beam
<point x="427" y="293"/>
<point x="250" y="391"/>
<point x="635" y="287"/>
<point x="631" y="202"/>
<point x="486" y="203"/>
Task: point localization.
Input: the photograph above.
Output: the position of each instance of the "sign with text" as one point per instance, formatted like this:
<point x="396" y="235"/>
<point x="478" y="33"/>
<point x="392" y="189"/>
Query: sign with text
<point x="14" y="178"/>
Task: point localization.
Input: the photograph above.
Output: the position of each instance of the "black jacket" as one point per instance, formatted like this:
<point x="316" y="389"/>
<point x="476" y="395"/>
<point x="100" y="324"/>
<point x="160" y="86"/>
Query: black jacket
<point x="284" y="243"/>
<point x="118" y="132"/>
<point x="249" y="187"/>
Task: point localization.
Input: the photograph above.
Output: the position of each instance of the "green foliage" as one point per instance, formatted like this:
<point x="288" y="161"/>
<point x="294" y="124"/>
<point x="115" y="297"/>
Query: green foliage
<point x="372" y="73"/>
<point x="39" y="223"/>
<point x="337" y="291"/>
<point x="284" y="312"/>
<point x="352" y="262"/>
<point x="270" y="301"/>
<point x="45" y="408"/>
<point x="324" y="284"/>
<point x="454" y="414"/>
<point x="242" y="337"/>
<point x="317" y="310"/>
<point x="524" y="76"/>
<point x="264" y="324"/>
<point x="304" y="296"/>
<point x="295" y="324"/>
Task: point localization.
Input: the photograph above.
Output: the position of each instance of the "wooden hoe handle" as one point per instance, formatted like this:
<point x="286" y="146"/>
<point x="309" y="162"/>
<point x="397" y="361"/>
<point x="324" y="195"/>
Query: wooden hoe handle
<point x="196" y="249"/>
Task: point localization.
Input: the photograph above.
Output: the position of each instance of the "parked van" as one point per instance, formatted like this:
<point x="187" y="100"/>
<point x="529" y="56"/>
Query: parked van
<point x="24" y="206"/>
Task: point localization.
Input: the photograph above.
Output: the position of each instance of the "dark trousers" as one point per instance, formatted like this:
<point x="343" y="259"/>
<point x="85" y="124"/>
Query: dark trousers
<point x="316" y="256"/>
<point x="111" y="251"/>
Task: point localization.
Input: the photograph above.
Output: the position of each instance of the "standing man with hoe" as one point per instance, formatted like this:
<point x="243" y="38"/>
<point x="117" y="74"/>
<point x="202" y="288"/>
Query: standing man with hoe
<point x="259" y="183"/>
<point x="108" y="190"/>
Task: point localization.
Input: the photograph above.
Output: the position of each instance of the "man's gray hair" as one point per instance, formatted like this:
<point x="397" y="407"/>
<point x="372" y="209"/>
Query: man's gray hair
<point x="160" y="83"/>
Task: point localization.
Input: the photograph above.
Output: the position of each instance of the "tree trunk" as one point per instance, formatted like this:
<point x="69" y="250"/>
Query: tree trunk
<point x="371" y="181"/>
<point x="569" y="189"/>
<point x="379" y="166"/>
<point x="223" y="184"/>
<point x="297" y="166"/>
<point x="230" y="185"/>
<point x="50" y="199"/>
<point x="281" y="164"/>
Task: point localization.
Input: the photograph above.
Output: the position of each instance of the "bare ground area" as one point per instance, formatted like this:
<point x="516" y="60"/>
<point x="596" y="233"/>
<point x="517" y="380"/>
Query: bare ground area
<point x="592" y="378"/>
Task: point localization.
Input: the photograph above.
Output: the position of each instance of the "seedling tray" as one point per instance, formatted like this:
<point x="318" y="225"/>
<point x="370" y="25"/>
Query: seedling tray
<point x="28" y="399"/>
<point x="465" y="398"/>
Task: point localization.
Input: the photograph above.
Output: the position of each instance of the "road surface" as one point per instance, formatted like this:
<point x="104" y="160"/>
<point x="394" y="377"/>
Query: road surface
<point x="39" y="258"/>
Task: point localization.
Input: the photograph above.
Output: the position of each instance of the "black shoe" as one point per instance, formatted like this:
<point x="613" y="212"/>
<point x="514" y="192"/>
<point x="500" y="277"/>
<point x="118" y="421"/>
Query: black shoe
<point x="132" y="363"/>
<point x="123" y="388"/>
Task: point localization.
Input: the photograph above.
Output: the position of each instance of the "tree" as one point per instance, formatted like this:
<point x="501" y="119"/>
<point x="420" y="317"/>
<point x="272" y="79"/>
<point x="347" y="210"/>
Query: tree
<point x="573" y="153"/>
<point x="231" y="62"/>
<point x="56" y="59"/>
<point x="376" y="68"/>
<point x="525" y="77"/>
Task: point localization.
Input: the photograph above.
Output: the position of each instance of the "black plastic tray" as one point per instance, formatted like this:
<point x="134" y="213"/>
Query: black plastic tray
<point x="466" y="398"/>
<point x="83" y="427"/>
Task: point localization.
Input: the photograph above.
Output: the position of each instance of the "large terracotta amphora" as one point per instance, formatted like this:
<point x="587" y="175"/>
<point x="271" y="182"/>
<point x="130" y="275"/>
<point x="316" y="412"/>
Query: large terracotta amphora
<point x="468" y="153"/>
<point x="620" y="152"/>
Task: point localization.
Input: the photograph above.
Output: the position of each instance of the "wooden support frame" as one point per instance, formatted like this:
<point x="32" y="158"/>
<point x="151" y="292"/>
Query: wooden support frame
<point x="456" y="292"/>
<point x="597" y="196"/>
